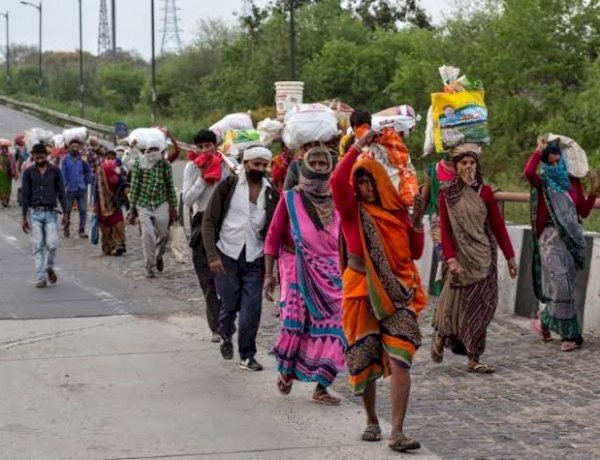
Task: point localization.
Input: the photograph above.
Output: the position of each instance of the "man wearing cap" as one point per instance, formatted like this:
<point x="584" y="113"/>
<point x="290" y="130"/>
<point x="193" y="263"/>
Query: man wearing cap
<point x="76" y="174"/>
<point x="154" y="201"/>
<point x="41" y="188"/>
<point x="233" y="230"/>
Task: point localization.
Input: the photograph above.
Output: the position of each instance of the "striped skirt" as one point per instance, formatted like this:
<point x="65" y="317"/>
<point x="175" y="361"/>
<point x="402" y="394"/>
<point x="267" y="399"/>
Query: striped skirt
<point x="464" y="313"/>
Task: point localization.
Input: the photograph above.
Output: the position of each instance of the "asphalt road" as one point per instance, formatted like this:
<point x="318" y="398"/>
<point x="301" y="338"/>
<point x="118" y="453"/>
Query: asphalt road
<point x="13" y="122"/>
<point x="85" y="288"/>
<point x="107" y="364"/>
<point x="540" y="404"/>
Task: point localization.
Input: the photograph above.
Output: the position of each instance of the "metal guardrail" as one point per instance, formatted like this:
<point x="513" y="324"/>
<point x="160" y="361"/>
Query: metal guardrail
<point x="67" y="121"/>
<point x="107" y="132"/>
<point x="58" y="118"/>
<point x="521" y="197"/>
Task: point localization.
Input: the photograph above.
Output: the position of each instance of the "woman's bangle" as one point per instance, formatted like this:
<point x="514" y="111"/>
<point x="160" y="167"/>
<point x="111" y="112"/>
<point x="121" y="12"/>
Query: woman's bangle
<point x="269" y="275"/>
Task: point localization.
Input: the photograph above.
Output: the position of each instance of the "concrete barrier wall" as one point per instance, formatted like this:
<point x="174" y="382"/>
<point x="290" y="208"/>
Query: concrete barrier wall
<point x="517" y="296"/>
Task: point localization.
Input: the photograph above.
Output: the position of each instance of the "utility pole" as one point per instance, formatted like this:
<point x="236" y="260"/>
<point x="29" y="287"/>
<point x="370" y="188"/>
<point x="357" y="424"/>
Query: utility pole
<point x="153" y="64"/>
<point x="39" y="8"/>
<point x="113" y="13"/>
<point x="292" y="42"/>
<point x="7" y="51"/>
<point x="81" y="84"/>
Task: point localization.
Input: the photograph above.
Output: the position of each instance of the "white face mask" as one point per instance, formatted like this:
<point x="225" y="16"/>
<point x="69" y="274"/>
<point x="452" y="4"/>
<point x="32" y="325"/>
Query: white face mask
<point x="154" y="155"/>
<point x="149" y="159"/>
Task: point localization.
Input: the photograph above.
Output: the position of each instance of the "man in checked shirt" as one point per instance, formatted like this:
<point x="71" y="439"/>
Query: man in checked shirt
<point x="154" y="201"/>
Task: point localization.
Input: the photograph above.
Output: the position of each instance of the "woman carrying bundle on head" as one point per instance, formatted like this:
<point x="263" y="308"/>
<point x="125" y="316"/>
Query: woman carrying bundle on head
<point x="471" y="227"/>
<point x="382" y="295"/>
<point x="557" y="204"/>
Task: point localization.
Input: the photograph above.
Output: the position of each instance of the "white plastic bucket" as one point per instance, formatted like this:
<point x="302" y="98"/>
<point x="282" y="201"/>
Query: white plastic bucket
<point x="287" y="95"/>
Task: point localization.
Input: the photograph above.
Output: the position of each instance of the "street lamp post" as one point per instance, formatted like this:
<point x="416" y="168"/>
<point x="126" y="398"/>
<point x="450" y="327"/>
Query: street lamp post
<point x="7" y="50"/>
<point x="292" y="41"/>
<point x="153" y="65"/>
<point x="39" y="8"/>
<point x="81" y="85"/>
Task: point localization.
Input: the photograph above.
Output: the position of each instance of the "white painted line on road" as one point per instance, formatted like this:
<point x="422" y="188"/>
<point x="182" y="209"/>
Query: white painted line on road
<point x="116" y="305"/>
<point x="13" y="241"/>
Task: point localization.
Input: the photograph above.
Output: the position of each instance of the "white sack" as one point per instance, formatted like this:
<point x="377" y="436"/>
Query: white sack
<point x="307" y="123"/>
<point x="269" y="131"/>
<point x="231" y="122"/>
<point x="80" y="134"/>
<point x="575" y="156"/>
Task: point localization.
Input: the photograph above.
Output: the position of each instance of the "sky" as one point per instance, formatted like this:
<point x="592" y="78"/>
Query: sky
<point x="60" y="29"/>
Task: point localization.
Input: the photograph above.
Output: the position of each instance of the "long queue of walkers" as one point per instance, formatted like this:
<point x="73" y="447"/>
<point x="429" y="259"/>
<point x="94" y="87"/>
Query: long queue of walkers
<point x="79" y="173"/>
<point x="335" y="234"/>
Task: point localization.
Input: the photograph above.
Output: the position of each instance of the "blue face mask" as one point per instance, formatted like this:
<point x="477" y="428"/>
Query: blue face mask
<point x="557" y="176"/>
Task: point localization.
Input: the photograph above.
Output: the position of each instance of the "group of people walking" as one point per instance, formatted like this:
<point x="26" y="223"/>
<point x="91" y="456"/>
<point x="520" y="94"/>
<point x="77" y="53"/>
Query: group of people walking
<point x="337" y="237"/>
<point x="87" y="172"/>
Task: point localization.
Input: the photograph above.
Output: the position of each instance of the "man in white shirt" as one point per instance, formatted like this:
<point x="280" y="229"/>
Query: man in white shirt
<point x="233" y="230"/>
<point x="205" y="170"/>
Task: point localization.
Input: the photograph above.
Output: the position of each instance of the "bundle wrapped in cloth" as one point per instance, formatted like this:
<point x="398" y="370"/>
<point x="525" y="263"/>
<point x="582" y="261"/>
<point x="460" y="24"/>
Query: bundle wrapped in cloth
<point x="457" y="115"/>
<point x="389" y="149"/>
<point x="233" y="121"/>
<point x="37" y="136"/>
<point x="79" y="134"/>
<point x="143" y="138"/>
<point x="269" y="131"/>
<point x="307" y="123"/>
<point x="575" y="156"/>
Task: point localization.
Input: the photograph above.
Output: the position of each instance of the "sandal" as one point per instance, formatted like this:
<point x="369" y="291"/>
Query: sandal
<point x="283" y="386"/>
<point x="323" y="397"/>
<point x="542" y="333"/>
<point x="437" y="348"/>
<point x="402" y="443"/>
<point x="372" y="433"/>
<point x="480" y="368"/>
<point x="569" y="346"/>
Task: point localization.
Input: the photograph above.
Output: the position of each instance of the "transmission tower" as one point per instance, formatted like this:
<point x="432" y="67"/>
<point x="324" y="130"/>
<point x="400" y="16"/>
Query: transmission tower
<point x="171" y="42"/>
<point x="104" y="42"/>
<point x="246" y="8"/>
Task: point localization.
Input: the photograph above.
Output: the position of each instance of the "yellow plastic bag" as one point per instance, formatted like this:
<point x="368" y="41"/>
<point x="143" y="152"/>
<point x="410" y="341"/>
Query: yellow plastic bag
<point x="459" y="117"/>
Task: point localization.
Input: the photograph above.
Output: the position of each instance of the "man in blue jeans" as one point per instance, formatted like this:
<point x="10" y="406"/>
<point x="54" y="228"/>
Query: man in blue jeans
<point x="76" y="176"/>
<point x="41" y="189"/>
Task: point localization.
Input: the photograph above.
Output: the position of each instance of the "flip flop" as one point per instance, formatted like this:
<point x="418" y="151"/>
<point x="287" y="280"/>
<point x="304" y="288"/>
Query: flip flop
<point x="323" y="397"/>
<point x="402" y="443"/>
<point x="569" y="346"/>
<point x="372" y="433"/>
<point x="284" y="387"/>
<point x="480" y="368"/>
